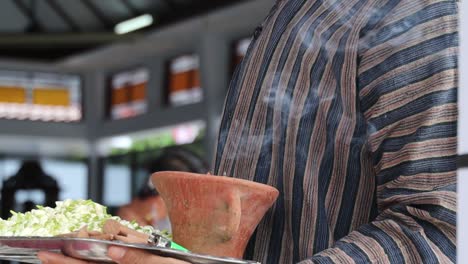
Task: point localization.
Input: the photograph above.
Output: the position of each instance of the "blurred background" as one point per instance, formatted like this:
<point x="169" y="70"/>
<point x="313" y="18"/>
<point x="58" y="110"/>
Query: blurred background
<point x="92" y="92"/>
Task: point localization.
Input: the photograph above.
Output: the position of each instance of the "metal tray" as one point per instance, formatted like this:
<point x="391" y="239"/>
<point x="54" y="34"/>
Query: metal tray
<point x="24" y="249"/>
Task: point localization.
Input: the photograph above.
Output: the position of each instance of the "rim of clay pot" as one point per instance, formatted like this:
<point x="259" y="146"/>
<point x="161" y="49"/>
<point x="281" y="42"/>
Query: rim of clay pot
<point x="211" y="177"/>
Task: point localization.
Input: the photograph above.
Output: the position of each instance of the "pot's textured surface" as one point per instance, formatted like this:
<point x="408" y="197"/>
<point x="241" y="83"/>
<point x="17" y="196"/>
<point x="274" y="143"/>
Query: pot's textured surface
<point x="213" y="215"/>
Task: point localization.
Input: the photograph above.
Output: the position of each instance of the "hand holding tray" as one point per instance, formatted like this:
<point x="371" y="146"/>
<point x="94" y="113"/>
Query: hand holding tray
<point x="24" y="249"/>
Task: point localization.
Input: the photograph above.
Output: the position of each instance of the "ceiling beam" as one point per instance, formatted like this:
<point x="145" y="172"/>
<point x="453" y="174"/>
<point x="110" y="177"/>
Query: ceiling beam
<point x="108" y="24"/>
<point x="62" y="14"/>
<point x="28" y="12"/>
<point x="130" y="7"/>
<point x="32" y="40"/>
<point x="180" y="12"/>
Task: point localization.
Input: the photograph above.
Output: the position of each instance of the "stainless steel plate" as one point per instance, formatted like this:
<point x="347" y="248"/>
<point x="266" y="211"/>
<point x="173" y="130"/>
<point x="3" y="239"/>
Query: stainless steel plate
<point x="24" y="249"/>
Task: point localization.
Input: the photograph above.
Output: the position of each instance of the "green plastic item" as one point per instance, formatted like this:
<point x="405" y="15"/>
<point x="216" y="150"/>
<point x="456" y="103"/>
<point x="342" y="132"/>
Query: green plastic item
<point x="162" y="241"/>
<point x="178" y="247"/>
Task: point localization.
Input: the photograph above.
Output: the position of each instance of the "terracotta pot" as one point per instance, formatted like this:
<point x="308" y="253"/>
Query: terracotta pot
<point x="213" y="215"/>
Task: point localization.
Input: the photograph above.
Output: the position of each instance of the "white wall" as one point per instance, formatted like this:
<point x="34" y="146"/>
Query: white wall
<point x="463" y="137"/>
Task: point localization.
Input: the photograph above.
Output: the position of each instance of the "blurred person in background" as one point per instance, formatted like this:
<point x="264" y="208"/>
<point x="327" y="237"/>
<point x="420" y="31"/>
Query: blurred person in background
<point x="29" y="178"/>
<point x="148" y="208"/>
<point x="349" y="108"/>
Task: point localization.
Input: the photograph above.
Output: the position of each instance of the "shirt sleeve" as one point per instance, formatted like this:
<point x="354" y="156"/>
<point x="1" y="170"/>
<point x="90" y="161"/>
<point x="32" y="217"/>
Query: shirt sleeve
<point x="407" y="85"/>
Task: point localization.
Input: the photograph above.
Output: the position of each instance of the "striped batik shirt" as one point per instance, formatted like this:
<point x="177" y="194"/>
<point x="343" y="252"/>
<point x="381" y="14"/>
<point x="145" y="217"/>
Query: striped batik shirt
<point x="349" y="108"/>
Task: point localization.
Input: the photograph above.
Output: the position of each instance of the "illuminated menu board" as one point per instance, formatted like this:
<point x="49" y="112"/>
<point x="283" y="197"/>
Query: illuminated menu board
<point x="40" y="96"/>
<point x="240" y="50"/>
<point x="128" y="93"/>
<point x="184" y="81"/>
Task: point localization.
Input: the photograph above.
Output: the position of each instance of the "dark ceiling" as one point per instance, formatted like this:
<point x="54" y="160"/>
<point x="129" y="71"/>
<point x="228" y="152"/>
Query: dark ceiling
<point x="48" y="30"/>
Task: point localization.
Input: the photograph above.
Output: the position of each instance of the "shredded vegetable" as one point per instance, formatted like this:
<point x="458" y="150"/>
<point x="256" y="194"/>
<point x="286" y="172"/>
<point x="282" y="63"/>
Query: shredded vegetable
<point x="68" y="216"/>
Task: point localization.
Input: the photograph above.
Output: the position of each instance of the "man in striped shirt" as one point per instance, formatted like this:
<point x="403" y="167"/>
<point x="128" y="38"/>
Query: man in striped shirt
<point x="349" y="109"/>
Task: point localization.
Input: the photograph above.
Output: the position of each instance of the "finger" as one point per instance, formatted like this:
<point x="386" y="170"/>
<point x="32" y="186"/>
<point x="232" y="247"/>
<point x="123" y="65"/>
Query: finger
<point x="52" y="258"/>
<point x="131" y="256"/>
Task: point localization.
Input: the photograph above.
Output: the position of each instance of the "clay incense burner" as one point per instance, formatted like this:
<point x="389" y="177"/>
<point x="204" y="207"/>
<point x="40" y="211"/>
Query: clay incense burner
<point x="213" y="215"/>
